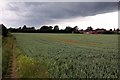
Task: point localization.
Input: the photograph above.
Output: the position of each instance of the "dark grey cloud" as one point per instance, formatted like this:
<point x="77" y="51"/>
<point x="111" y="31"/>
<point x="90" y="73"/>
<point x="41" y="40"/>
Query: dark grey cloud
<point x="39" y="13"/>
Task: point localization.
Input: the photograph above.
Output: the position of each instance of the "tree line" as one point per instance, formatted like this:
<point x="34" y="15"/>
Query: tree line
<point x="55" y="29"/>
<point x="45" y="29"/>
<point x="68" y="29"/>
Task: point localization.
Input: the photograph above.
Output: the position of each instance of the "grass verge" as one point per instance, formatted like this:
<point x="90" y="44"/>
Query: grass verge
<point x="7" y="50"/>
<point x="28" y="67"/>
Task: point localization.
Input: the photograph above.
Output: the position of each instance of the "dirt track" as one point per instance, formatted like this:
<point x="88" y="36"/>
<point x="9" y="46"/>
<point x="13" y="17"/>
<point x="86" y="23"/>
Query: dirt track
<point x="14" y="74"/>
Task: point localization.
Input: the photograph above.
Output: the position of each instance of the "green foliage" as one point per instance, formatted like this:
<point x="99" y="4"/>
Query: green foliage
<point x="7" y="55"/>
<point x="69" y="55"/>
<point x="28" y="67"/>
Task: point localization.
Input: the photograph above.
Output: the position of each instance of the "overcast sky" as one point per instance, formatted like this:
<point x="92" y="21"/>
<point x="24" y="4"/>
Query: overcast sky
<point x="81" y="14"/>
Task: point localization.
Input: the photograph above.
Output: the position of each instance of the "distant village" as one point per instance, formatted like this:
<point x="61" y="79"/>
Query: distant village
<point x="68" y="29"/>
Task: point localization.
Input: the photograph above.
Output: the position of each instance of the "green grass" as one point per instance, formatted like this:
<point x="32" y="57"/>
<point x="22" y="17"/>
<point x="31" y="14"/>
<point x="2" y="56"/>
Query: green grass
<point x="69" y="55"/>
<point x="7" y="50"/>
<point x="28" y="67"/>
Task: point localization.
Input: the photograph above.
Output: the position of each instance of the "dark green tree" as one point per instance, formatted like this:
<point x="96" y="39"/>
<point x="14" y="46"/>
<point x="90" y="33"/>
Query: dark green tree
<point x="4" y="30"/>
<point x="24" y="27"/>
<point x="89" y="28"/>
<point x="56" y="28"/>
<point x="75" y="29"/>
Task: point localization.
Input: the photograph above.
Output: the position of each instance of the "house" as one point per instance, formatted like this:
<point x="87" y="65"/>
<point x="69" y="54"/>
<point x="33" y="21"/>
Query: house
<point x="90" y="32"/>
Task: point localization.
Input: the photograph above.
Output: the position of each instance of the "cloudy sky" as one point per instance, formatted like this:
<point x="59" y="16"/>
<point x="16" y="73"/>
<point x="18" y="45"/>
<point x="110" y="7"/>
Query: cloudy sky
<point x="81" y="14"/>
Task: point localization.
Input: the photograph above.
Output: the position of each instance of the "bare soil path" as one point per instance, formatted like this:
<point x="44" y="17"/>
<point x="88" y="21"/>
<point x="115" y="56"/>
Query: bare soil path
<point x="14" y="74"/>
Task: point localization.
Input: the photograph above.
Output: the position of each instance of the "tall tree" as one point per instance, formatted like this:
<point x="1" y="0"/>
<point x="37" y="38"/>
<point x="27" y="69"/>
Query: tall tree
<point x="68" y="29"/>
<point x="50" y="28"/>
<point x="89" y="28"/>
<point x="24" y="27"/>
<point x="46" y="28"/>
<point x="4" y="30"/>
<point x="56" y="28"/>
<point x="75" y="29"/>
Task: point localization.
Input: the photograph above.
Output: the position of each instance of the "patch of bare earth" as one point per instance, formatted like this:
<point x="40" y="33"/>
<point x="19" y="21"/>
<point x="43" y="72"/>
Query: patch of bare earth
<point x="14" y="74"/>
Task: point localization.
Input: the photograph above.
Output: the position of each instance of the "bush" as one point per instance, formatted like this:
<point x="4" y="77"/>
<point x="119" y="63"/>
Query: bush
<point x="30" y="68"/>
